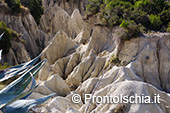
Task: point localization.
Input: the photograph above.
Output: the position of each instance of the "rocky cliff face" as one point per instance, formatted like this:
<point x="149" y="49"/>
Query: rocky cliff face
<point x="80" y="53"/>
<point x="34" y="39"/>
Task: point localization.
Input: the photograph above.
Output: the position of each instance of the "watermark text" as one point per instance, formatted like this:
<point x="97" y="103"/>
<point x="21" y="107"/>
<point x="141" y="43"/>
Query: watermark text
<point x="141" y="99"/>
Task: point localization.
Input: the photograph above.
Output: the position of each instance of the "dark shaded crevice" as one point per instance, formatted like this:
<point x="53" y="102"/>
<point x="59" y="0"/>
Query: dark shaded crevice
<point x="89" y="68"/>
<point x="157" y="53"/>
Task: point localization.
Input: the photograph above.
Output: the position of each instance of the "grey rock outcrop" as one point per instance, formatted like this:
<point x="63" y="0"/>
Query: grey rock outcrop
<point x="54" y="84"/>
<point x="68" y="5"/>
<point x="44" y="73"/>
<point x="129" y="88"/>
<point x="101" y="39"/>
<point x="60" y="46"/>
<point x="163" y="61"/>
<point x="34" y="39"/>
<point x="126" y="88"/>
<point x="54" y="20"/>
<point x="10" y="58"/>
<point x="58" y="85"/>
<point x="16" y="23"/>
<point x="75" y="23"/>
<point x="20" y="52"/>
<point x="65" y="66"/>
<point x="43" y="89"/>
<point x="60" y="105"/>
<point x="88" y="68"/>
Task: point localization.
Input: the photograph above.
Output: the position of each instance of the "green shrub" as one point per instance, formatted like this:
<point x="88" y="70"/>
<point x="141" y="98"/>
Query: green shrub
<point x="114" y="59"/>
<point x="36" y="10"/>
<point x="9" y="34"/>
<point x="133" y="30"/>
<point x="140" y="17"/>
<point x="155" y="22"/>
<point x="107" y="1"/>
<point x="15" y="5"/>
<point x="93" y="7"/>
<point x="125" y="24"/>
<point x="168" y="28"/>
<point x="164" y="15"/>
<point x="5" y="42"/>
<point x="150" y="14"/>
<point x="151" y="6"/>
<point x="5" y="66"/>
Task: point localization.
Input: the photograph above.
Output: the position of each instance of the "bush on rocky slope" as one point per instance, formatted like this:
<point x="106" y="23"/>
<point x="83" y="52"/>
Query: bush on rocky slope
<point x="5" y="66"/>
<point x="132" y="29"/>
<point x="152" y="14"/>
<point x="9" y="34"/>
<point x="15" y="5"/>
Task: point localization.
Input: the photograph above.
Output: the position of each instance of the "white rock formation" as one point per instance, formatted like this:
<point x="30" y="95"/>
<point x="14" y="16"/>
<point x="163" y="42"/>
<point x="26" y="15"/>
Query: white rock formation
<point x="54" y="20"/>
<point x="65" y="66"/>
<point x="129" y="88"/>
<point x="101" y="39"/>
<point x="54" y="84"/>
<point x="75" y="23"/>
<point x="58" y="85"/>
<point x="60" y="46"/>
<point x="143" y="70"/>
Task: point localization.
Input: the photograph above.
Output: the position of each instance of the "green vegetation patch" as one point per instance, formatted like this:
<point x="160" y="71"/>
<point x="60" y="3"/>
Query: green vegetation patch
<point x="145" y="14"/>
<point x="9" y="34"/>
<point x="5" y="66"/>
<point x="113" y="60"/>
<point x="15" y="5"/>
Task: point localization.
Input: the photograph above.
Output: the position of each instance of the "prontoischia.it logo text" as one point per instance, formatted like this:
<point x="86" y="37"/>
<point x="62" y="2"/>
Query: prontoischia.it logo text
<point x="76" y="98"/>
